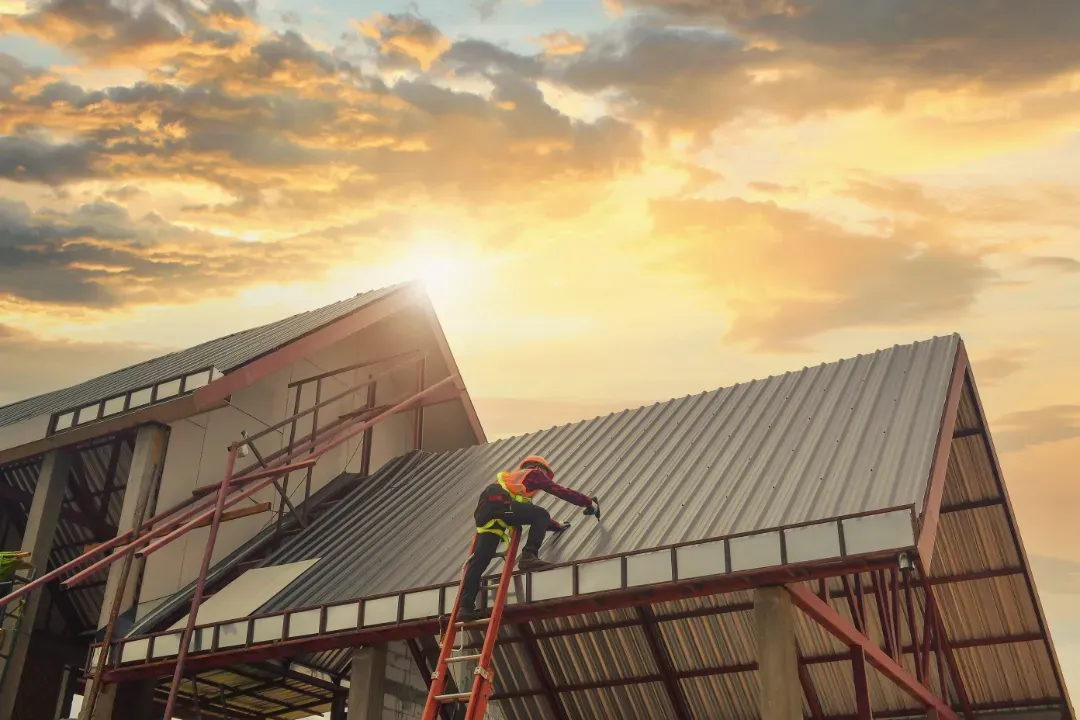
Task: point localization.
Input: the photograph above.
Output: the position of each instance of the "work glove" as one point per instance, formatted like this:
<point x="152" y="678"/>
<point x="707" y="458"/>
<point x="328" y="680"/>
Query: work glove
<point x="557" y="527"/>
<point x="591" y="510"/>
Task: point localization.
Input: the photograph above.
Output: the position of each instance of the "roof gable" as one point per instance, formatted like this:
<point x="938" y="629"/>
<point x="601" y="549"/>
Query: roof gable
<point x="848" y="437"/>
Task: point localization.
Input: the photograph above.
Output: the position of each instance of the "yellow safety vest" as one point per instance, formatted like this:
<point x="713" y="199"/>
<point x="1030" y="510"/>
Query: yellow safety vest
<point x="513" y="483"/>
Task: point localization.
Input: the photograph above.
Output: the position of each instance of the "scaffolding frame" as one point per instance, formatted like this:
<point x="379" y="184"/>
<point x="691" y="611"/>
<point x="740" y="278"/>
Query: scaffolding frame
<point x="208" y="505"/>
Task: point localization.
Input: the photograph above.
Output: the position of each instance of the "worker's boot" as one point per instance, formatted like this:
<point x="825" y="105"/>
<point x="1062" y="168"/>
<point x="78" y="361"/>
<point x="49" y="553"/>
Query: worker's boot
<point x="468" y="615"/>
<point x="531" y="561"/>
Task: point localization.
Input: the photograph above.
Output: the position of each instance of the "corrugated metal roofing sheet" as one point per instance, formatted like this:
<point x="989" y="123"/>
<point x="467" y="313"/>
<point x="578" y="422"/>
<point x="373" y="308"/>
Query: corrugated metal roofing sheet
<point x="226" y="353"/>
<point x="841" y="438"/>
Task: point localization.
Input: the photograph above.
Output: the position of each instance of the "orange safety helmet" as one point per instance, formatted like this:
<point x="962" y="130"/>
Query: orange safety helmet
<point x="537" y="461"/>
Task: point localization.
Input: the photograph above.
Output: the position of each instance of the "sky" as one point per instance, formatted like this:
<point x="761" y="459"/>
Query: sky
<point x="612" y="202"/>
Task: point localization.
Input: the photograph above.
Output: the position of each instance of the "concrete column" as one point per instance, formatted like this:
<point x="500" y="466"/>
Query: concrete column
<point x="146" y="462"/>
<point x="367" y="675"/>
<point x="38" y="541"/>
<point x="778" y="660"/>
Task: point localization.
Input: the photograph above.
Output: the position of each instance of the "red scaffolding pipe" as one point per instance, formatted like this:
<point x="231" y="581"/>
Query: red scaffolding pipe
<point x="200" y="587"/>
<point x="270" y="474"/>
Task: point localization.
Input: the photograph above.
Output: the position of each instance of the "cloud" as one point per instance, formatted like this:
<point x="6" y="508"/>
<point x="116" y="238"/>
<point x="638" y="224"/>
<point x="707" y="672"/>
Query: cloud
<point x="562" y="42"/>
<point x="1026" y="428"/>
<point x="122" y="193"/>
<point x="486" y="9"/>
<point x="771" y="188"/>
<point x="987" y="41"/>
<point x="1056" y="575"/>
<point x="275" y="117"/>
<point x="787" y="276"/>
<point x="1000" y="364"/>
<point x="404" y="41"/>
<point x="35" y="365"/>
<point x="100" y="256"/>
<point x="1045" y="205"/>
<point x="1055" y="264"/>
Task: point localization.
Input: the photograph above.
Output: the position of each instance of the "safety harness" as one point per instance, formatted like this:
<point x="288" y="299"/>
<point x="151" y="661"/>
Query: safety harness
<point x="496" y="500"/>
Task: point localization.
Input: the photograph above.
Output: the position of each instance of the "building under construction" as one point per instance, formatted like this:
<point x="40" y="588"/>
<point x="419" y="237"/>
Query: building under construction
<point x="273" y="525"/>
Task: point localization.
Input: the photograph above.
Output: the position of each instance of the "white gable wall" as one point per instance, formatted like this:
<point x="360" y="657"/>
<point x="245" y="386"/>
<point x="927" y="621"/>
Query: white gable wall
<point x="197" y="451"/>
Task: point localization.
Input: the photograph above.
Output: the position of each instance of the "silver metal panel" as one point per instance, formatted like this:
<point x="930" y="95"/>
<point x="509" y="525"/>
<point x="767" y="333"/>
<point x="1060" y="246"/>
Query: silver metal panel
<point x="842" y="438"/>
<point x="648" y="568"/>
<point x="342" y="617"/>
<point x="600" y="576"/>
<point x="878" y="532"/>
<point x="701" y="560"/>
<point x="246" y="593"/>
<point x="226" y="354"/>
<point x="303" y="623"/>
<point x="755" y="551"/>
<point x="812" y="542"/>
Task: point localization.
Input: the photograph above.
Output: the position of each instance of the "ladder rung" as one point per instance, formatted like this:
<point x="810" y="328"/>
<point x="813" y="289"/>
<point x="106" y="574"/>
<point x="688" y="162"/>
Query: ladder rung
<point x="462" y="658"/>
<point x="453" y="697"/>
<point x="473" y="623"/>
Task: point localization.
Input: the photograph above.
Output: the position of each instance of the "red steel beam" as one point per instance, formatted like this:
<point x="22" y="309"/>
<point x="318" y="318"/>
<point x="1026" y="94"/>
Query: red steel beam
<point x="663" y="663"/>
<point x="862" y="690"/>
<point x="810" y="693"/>
<point x="939" y="465"/>
<point x="200" y="586"/>
<point x="945" y="649"/>
<point x="542" y="674"/>
<point x="812" y="605"/>
<point x="270" y="473"/>
<point x="1010" y="517"/>
<point x="418" y="426"/>
<point x="578" y="605"/>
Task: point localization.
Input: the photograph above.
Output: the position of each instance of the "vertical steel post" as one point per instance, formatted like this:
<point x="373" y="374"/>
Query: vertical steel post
<point x="862" y="690"/>
<point x="200" y="586"/>
<point x="418" y="428"/>
<point x="314" y="429"/>
<point x="912" y="631"/>
<point x="285" y="480"/>
<point x="365" y="453"/>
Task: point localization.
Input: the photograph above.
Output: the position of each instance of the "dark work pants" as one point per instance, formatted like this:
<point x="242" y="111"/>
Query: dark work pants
<point x="487" y="544"/>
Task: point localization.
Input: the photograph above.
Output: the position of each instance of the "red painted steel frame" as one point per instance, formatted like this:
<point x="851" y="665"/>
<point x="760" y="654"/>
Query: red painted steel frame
<point x="829" y="619"/>
<point x="575" y="605"/>
<point x="272" y="472"/>
<point x="200" y="587"/>
<point x="939" y="466"/>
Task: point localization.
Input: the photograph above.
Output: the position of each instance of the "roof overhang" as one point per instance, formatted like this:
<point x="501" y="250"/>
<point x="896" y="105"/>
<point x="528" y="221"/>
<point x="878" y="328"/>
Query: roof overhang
<point x="216" y="393"/>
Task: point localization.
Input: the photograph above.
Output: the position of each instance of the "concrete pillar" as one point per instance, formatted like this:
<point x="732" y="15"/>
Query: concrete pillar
<point x="38" y="541"/>
<point x="367" y="674"/>
<point x="146" y="463"/>
<point x="778" y="659"/>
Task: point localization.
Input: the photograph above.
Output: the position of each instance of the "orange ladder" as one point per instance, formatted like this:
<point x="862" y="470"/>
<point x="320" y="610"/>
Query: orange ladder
<point x="477" y="698"/>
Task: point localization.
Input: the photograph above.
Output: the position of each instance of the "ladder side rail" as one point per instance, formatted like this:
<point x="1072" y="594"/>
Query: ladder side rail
<point x="438" y="678"/>
<point x="482" y="682"/>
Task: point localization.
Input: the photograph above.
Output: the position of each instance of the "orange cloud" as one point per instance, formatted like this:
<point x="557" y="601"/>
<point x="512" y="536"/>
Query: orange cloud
<point x="404" y="40"/>
<point x="562" y="42"/>
<point x="787" y="276"/>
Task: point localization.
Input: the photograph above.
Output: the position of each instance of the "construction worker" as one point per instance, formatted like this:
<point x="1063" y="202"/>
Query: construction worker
<point x="505" y="504"/>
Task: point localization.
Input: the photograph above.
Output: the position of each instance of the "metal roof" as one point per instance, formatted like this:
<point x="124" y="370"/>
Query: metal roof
<point x="847" y="437"/>
<point x="225" y="353"/>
